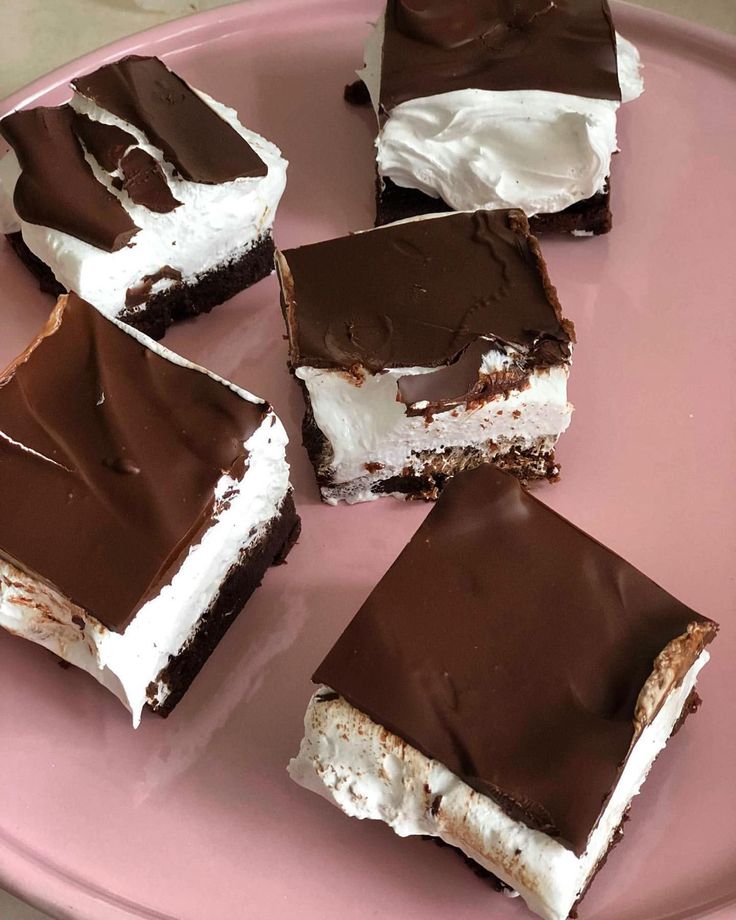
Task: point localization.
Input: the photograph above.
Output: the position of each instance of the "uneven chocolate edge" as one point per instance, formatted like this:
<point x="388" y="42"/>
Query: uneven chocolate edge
<point x="181" y="301"/>
<point x="239" y="584"/>
<point x="57" y="187"/>
<point x="196" y="140"/>
<point x="692" y="704"/>
<point x="145" y="181"/>
<point x="106" y="143"/>
<point x="593" y="215"/>
<point x="548" y="350"/>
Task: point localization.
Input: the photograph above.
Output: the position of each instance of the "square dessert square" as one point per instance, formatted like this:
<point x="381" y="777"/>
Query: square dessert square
<point x="482" y="104"/>
<point x="143" y="195"/>
<point x="506" y="688"/>
<point x="143" y="499"/>
<point x="424" y="348"/>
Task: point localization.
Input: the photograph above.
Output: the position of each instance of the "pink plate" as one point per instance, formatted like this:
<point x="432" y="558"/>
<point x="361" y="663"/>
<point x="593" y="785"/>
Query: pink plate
<point x="194" y="818"/>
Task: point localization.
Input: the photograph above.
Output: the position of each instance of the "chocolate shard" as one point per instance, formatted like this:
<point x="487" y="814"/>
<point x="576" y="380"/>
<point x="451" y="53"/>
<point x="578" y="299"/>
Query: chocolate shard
<point x="418" y="294"/>
<point x="519" y="652"/>
<point x="438" y="46"/>
<point x="103" y="438"/>
<point x="194" y="139"/>
<point x="145" y="182"/>
<point x="461" y="382"/>
<point x="57" y="188"/>
<point x="106" y="143"/>
<point x="139" y="294"/>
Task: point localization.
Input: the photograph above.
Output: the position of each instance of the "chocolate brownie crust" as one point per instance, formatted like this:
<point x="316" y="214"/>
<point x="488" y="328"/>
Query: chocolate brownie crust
<point x="180" y="300"/>
<point x="527" y="465"/>
<point x="240" y="583"/>
<point x="590" y="216"/>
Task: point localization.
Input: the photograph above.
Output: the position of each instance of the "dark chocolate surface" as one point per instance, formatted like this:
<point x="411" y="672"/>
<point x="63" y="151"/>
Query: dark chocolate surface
<point x="57" y="187"/>
<point x="106" y="143"/>
<point x="511" y="647"/>
<point x="145" y="182"/>
<point x="109" y="455"/>
<point x="194" y="139"/>
<point x="439" y="46"/>
<point x="418" y="294"/>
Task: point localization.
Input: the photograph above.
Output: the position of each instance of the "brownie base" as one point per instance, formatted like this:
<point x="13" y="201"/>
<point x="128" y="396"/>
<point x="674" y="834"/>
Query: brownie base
<point x="239" y="584"/>
<point x="691" y="706"/>
<point x="592" y="216"/>
<point x="179" y="301"/>
<point x="527" y="465"/>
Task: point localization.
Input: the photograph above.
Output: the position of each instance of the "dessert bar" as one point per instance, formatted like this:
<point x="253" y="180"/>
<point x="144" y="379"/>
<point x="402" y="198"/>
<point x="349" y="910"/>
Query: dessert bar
<point x="506" y="688"/>
<point x="424" y="348"/>
<point x="487" y="104"/>
<point x="144" y="196"/>
<point x="143" y="499"/>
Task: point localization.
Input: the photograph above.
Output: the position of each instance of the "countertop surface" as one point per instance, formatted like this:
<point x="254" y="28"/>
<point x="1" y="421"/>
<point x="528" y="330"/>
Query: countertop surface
<point x="38" y="35"/>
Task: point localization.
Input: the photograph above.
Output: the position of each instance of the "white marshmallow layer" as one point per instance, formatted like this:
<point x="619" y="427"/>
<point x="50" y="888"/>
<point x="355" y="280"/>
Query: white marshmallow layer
<point x="368" y="772"/>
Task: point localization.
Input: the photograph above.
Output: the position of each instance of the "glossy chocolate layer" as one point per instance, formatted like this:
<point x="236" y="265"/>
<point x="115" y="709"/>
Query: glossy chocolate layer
<point x="194" y="139"/>
<point x="418" y="294"/>
<point x="439" y="46"/>
<point x="513" y="648"/>
<point x="106" y="143"/>
<point x="145" y="182"/>
<point x="109" y="455"/>
<point x="57" y="187"/>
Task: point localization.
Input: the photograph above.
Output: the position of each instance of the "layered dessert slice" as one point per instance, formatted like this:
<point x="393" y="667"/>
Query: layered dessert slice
<point x="488" y="104"/>
<point x="506" y="688"/>
<point x="143" y="195"/>
<point x="143" y="499"/>
<point x="424" y="348"/>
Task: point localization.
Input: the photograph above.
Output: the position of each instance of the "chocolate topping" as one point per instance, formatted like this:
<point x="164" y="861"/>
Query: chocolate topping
<point x="106" y="143"/>
<point x="57" y="187"/>
<point x="139" y="294"/>
<point x="194" y="139"/>
<point x="109" y="455"/>
<point x="513" y="648"/>
<point x="418" y="294"/>
<point x="439" y="46"/>
<point x="145" y="182"/>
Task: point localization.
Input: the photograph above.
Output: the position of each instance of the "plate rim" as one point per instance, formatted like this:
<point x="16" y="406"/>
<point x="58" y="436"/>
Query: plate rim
<point x="45" y="884"/>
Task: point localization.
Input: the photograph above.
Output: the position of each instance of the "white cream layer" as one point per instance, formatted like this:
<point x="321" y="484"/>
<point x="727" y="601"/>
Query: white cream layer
<point x="530" y="149"/>
<point x="370" y="773"/>
<point x="127" y="663"/>
<point x="215" y="225"/>
<point x="366" y="424"/>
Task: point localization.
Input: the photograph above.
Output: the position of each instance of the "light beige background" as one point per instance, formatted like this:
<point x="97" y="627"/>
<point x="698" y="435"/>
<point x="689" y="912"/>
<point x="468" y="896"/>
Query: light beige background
<point x="38" y="35"/>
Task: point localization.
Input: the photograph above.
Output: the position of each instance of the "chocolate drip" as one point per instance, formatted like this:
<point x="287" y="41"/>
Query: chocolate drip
<point x="57" y="187"/>
<point x="145" y="182"/>
<point x="109" y="455"/>
<point x="106" y="143"/>
<point x="439" y="46"/>
<point x="418" y="294"/>
<point x="513" y="648"/>
<point x="194" y="139"/>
